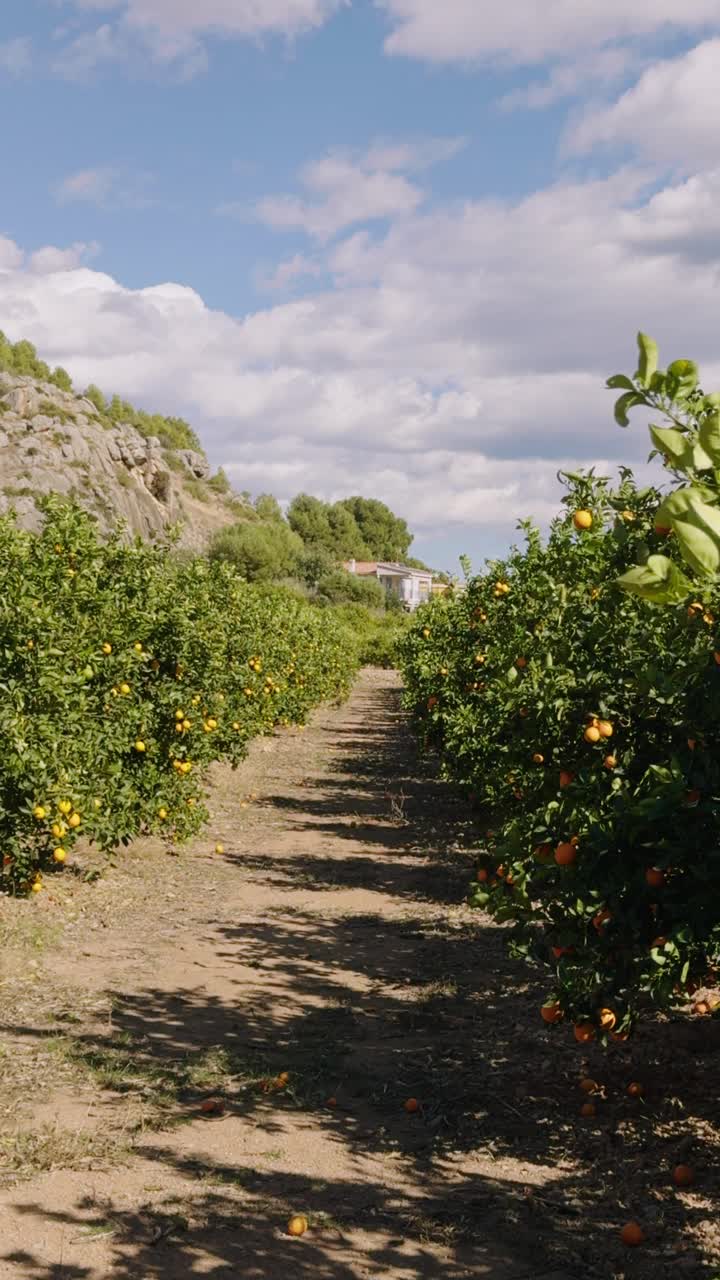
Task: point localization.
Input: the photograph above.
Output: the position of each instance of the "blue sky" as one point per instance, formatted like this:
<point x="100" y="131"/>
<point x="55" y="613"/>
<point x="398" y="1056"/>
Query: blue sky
<point x="387" y="247"/>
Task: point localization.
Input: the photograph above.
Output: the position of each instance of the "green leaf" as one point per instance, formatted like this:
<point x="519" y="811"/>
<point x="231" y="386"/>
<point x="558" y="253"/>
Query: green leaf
<point x="648" y="361"/>
<point x="709" y="436"/>
<point x="698" y="533"/>
<point x="673" y="445"/>
<point x="701" y="460"/>
<point x="625" y="402"/>
<point x="620" y="382"/>
<point x="685" y="374"/>
<point x="659" y="580"/>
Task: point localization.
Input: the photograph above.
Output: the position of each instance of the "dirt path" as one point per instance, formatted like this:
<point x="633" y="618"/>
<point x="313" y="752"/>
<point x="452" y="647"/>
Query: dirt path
<point x="330" y="943"/>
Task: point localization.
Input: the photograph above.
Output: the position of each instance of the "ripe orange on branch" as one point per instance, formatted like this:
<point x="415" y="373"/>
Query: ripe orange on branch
<point x="584" y="1032"/>
<point x="632" y="1234"/>
<point x="551" y="1013"/>
<point x="566" y="853"/>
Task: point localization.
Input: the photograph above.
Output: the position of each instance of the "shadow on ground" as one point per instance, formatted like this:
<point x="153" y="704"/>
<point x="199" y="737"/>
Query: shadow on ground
<point x="499" y="1174"/>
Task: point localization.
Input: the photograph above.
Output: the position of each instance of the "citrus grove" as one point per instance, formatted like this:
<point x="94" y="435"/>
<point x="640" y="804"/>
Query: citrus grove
<point x="573" y="692"/>
<point x="127" y="670"/>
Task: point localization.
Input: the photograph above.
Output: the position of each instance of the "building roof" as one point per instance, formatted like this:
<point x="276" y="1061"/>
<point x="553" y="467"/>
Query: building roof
<point x="363" y="567"/>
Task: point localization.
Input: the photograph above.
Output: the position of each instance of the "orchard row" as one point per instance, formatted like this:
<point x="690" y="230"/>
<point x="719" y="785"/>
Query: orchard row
<point x="583" y="722"/>
<point x="127" y="670"/>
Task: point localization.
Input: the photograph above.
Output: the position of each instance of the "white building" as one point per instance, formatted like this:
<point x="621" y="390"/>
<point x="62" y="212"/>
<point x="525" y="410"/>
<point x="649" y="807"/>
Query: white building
<point x="411" y="586"/>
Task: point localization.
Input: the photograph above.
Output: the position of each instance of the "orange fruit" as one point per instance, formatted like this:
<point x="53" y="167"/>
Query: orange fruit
<point x="619" y="1036"/>
<point x="655" y="878"/>
<point x="584" y="1032"/>
<point x="608" y="1019"/>
<point x="663" y="530"/>
<point x="566" y="778"/>
<point x="551" y="1012"/>
<point x="716" y="656"/>
<point x="632" y="1234"/>
<point x="538" y="759"/>
<point x="521" y="663"/>
<point x="606" y="729"/>
<point x="589" y="1086"/>
<point x="565" y="854"/>
<point x="482" y="875"/>
<point x="600" y="919"/>
<point x="544" y="853"/>
<point x="635" y="1089"/>
<point x="692" y="797"/>
<point x="212" y="1107"/>
<point x="692" y="743"/>
<point x="683" y="1175"/>
<point x="298" y="1225"/>
<point x="610" y="762"/>
<point x="588" y="1109"/>
<point x="562" y="951"/>
<point x="702" y="1008"/>
<point x="411" y="1106"/>
<point x="583" y="519"/>
<point x="592" y="733"/>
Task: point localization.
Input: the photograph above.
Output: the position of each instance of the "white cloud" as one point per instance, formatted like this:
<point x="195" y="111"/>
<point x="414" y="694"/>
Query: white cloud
<point x="346" y="189"/>
<point x="299" y="267"/>
<point x="85" y="53"/>
<point x="670" y="116"/>
<point x="347" y="196"/>
<point x="91" y="185"/>
<point x="682" y="221"/>
<point x="525" y="32"/>
<point x="225" y="17"/>
<point x="15" y="56"/>
<point x="577" y="76"/>
<point x="105" y="186"/>
<point x="49" y="259"/>
<point x="171" y="32"/>
<point x="451" y="368"/>
<point x="11" y="255"/>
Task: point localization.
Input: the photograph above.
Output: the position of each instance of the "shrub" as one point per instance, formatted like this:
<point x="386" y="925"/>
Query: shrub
<point x="373" y="636"/>
<point x="340" y="587"/>
<point x="261" y="553"/>
<point x="219" y="483"/>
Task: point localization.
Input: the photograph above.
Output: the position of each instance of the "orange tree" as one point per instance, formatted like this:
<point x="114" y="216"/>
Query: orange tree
<point x="583" y="721"/>
<point x="125" y="671"/>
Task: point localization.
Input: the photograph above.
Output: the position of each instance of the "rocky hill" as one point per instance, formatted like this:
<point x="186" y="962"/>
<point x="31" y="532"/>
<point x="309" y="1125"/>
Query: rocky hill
<point x="56" y="441"/>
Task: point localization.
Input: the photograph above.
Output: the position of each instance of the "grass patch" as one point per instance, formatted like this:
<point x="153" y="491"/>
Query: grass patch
<point x="197" y="489"/>
<point x="25" y="1154"/>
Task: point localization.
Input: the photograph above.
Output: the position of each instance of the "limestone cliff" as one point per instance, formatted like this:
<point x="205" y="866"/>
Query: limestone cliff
<point x="54" y="441"/>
